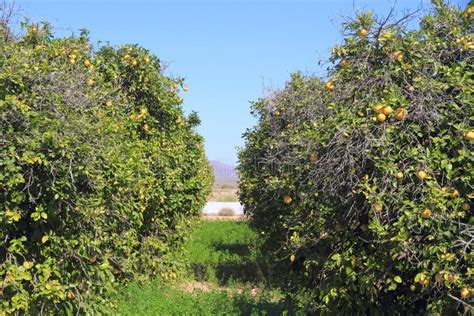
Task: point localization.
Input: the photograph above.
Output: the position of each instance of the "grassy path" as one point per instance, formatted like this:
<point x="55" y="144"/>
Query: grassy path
<point x="224" y="278"/>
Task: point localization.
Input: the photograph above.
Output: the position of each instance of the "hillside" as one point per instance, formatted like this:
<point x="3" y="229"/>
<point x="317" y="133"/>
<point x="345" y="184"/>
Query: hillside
<point x="224" y="172"/>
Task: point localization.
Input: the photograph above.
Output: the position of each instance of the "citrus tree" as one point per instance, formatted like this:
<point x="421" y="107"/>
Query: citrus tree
<point x="361" y="183"/>
<point x="101" y="173"/>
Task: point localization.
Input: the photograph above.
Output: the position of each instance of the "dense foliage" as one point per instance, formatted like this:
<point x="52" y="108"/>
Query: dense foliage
<point x="361" y="185"/>
<point x="100" y="171"/>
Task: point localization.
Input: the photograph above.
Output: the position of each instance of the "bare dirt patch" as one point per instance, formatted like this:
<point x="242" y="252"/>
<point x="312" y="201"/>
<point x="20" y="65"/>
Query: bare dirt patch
<point x="208" y="217"/>
<point x="190" y="287"/>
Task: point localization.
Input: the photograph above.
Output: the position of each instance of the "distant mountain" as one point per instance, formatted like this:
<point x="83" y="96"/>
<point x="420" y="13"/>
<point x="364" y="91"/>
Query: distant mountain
<point x="224" y="171"/>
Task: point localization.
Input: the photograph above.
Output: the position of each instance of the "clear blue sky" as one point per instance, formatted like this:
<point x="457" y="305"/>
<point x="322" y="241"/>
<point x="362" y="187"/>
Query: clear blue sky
<point x="228" y="51"/>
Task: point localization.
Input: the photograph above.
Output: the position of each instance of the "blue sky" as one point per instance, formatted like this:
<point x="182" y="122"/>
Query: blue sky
<point x="229" y="51"/>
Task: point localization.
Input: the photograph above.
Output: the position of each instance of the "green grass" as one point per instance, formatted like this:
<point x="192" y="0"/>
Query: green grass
<point x="219" y="248"/>
<point x="222" y="259"/>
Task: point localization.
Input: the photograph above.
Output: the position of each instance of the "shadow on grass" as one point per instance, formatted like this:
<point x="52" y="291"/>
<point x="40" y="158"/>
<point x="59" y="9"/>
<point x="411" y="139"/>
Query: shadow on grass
<point x="248" y="306"/>
<point x="236" y="248"/>
<point x="200" y="271"/>
<point x="246" y="272"/>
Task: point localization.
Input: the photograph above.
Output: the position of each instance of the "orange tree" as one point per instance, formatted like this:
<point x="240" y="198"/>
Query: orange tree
<point x="361" y="184"/>
<point x="100" y="171"/>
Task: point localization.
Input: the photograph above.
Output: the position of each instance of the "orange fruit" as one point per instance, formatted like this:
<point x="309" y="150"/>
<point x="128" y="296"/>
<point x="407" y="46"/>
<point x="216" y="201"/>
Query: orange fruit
<point x="469" y="135"/>
<point x="314" y="157"/>
<point x="87" y="63"/>
<point x="455" y="194"/>
<point x="401" y="113"/>
<point x="465" y="293"/>
<point x="147" y="59"/>
<point x="90" y="82"/>
<point x="27" y="265"/>
<point x="400" y="175"/>
<point x="387" y="110"/>
<point x="70" y="295"/>
<point x="344" y="63"/>
<point x="426" y="213"/>
<point x="379" y="108"/>
<point x="465" y="206"/>
<point x="381" y="117"/>
<point x="398" y="55"/>
<point x="72" y="61"/>
<point x="287" y="200"/>
<point x="329" y="86"/>
<point x="362" y="32"/>
<point x="422" y="175"/>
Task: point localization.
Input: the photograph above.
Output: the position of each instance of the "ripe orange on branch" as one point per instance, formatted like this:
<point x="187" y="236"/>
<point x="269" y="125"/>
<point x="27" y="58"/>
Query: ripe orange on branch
<point x="70" y="295"/>
<point x="379" y="108"/>
<point x="422" y="175"/>
<point x="426" y="213"/>
<point x="362" y="32"/>
<point x="387" y="110"/>
<point x="469" y="135"/>
<point x="398" y="55"/>
<point x="329" y="86"/>
<point x="465" y="293"/>
<point x="381" y="117"/>
<point x="287" y="200"/>
<point x="455" y="194"/>
<point x="400" y="114"/>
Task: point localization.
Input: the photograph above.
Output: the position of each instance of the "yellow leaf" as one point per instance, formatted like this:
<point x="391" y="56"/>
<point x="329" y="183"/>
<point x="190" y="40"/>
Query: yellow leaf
<point x="15" y="216"/>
